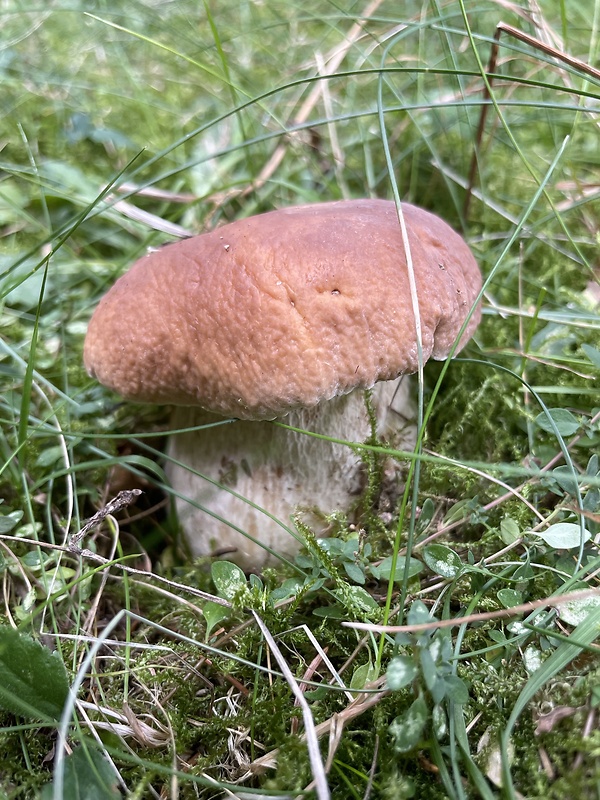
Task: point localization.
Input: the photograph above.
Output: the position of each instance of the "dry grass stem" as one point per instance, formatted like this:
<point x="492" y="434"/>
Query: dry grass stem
<point x="310" y="735"/>
<point x="554" y="602"/>
<point x="334" y="724"/>
<point x="332" y="62"/>
<point x="537" y="44"/>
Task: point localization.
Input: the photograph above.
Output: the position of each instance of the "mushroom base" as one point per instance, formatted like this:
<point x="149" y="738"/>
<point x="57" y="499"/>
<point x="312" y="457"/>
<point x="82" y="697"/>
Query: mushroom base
<point x="253" y="476"/>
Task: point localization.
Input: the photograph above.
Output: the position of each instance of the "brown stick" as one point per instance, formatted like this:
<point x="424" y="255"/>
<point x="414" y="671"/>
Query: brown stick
<point x="555" y="600"/>
<point x="123" y="499"/>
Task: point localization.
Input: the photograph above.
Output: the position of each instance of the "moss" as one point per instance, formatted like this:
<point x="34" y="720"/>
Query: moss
<point x="293" y="767"/>
<point x="475" y="419"/>
<point x="23" y="755"/>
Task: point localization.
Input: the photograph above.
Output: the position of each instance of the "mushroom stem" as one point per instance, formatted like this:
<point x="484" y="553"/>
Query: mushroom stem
<point x="279" y="471"/>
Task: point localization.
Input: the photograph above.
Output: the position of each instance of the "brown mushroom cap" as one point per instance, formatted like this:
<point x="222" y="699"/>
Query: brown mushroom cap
<point x="283" y="310"/>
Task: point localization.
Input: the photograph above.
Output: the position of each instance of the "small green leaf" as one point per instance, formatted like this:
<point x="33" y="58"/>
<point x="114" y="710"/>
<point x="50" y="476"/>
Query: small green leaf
<point x="509" y="530"/>
<point x="564" y="535"/>
<point x="592" y="353"/>
<point x="10" y="521"/>
<point x="442" y="560"/>
<point x="426" y="515"/>
<point x="575" y="611"/>
<point x="591" y="501"/>
<point x="28" y="531"/>
<point x="34" y="681"/>
<point x="35" y="561"/>
<point x="566" y="479"/>
<point x="566" y="423"/>
<point x="362" y="598"/>
<point x="439" y="722"/>
<point x="385" y="568"/>
<point x="315" y="585"/>
<point x="213" y="614"/>
<point x="532" y="658"/>
<point x="26" y="605"/>
<point x="49" y="456"/>
<point x="362" y="675"/>
<point x="317" y="694"/>
<point x="592" y="466"/>
<point x="255" y="582"/>
<point x="330" y="612"/>
<point x="429" y="669"/>
<point x="418" y="614"/>
<point x="228" y="578"/>
<point x="351" y="548"/>
<point x="332" y="545"/>
<point x="456" y="689"/>
<point x="509" y="597"/>
<point x="87" y="776"/>
<point x="460" y="510"/>
<point x="289" y="588"/>
<point x="407" y="729"/>
<point x="354" y="572"/>
<point x="438" y="689"/>
<point x="523" y="573"/>
<point x="401" y="671"/>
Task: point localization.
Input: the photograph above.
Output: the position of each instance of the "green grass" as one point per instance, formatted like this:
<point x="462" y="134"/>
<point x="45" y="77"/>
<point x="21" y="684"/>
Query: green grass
<point x="176" y="110"/>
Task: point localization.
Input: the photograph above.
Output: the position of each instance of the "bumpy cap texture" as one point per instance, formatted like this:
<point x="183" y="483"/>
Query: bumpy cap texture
<point x="283" y="310"/>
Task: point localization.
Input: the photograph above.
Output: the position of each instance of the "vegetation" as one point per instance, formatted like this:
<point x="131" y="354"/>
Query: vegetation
<point x="126" y="669"/>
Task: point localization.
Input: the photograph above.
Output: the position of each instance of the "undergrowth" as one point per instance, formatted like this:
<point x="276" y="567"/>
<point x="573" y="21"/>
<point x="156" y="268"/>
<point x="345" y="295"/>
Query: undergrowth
<point x="127" y="669"/>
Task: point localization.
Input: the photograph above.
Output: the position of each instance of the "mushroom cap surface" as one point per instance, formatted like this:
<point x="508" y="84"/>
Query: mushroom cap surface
<point x="284" y="310"/>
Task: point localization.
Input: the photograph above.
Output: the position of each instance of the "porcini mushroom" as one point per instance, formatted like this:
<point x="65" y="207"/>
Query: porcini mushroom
<point x="290" y="315"/>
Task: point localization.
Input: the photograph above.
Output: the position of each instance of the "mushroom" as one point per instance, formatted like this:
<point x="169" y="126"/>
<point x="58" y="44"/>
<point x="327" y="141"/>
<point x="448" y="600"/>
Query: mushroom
<point x="289" y="316"/>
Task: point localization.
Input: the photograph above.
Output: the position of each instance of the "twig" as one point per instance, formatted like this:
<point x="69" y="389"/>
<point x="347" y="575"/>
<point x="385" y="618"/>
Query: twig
<point x="326" y="660"/>
<point x="91" y="556"/>
<point x="123" y="499"/>
<point x="555" y="600"/>
<point x="549" y="50"/>
<point x="153" y="221"/>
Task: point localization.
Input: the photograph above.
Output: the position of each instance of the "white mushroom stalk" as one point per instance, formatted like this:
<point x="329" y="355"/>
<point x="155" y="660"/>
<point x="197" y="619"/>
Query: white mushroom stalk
<point x="288" y="315"/>
<point x="268" y="471"/>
